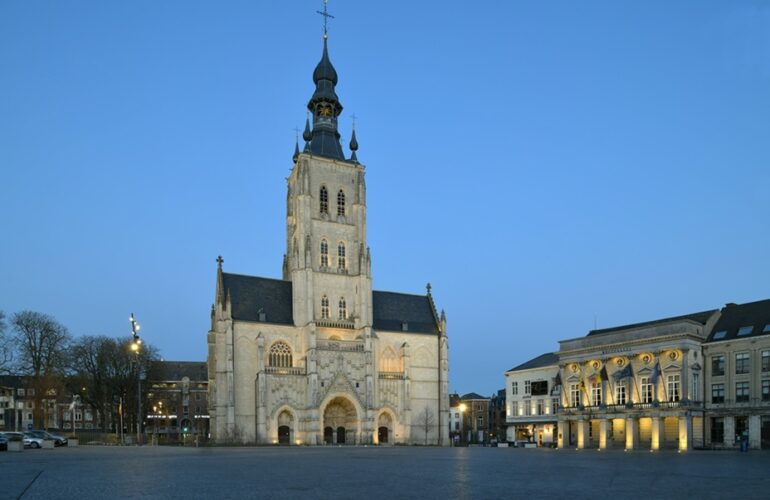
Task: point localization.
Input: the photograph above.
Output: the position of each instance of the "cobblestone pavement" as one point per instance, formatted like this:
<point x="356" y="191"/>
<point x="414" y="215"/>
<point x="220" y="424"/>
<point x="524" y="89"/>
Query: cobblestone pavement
<point x="372" y="473"/>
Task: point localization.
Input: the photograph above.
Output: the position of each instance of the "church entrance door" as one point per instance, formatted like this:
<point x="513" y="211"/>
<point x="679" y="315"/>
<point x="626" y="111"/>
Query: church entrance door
<point x="284" y="434"/>
<point x="382" y="435"/>
<point x="328" y="435"/>
<point x="341" y="417"/>
<point x="384" y="427"/>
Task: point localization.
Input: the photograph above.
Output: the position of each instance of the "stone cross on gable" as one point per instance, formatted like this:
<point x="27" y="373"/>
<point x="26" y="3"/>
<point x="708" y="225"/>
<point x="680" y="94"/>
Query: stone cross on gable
<point x="220" y="261"/>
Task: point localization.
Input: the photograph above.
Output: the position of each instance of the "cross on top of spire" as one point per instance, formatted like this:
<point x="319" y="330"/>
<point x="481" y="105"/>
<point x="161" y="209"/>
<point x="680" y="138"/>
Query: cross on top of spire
<point x="326" y="15"/>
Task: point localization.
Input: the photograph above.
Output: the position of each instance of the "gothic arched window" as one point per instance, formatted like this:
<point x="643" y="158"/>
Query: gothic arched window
<point x="343" y="312"/>
<point x="324" y="253"/>
<point x="280" y="355"/>
<point x="324" y="197"/>
<point x="341" y="203"/>
<point x="341" y="256"/>
<point x="324" y="307"/>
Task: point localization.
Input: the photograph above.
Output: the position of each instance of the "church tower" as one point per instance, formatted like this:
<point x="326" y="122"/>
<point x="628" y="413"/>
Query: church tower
<point x="327" y="258"/>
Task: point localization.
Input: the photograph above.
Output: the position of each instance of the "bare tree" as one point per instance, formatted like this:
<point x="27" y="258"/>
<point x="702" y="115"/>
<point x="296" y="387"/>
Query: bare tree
<point x="426" y="419"/>
<point x="41" y="345"/>
<point x="6" y="350"/>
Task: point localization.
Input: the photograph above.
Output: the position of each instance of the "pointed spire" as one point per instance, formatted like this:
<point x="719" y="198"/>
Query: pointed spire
<point x="307" y="134"/>
<point x="220" y="281"/>
<point x="296" y="149"/>
<point x="353" y="142"/>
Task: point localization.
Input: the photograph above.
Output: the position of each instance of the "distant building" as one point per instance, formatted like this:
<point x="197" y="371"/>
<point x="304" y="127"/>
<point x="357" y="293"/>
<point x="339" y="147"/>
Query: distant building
<point x="18" y="403"/>
<point x="456" y="408"/>
<point x="532" y="396"/>
<point x="475" y="418"/>
<point x="736" y="355"/>
<point x="177" y="399"/>
<point x="497" y="417"/>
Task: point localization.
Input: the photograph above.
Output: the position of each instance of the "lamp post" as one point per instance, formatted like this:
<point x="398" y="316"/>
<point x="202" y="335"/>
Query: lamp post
<point x="136" y="343"/>
<point x="462" y="422"/>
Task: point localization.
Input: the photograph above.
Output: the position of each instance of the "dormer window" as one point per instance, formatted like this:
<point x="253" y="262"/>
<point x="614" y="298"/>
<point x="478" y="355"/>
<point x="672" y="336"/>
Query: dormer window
<point x="324" y="203"/>
<point x="341" y="203"/>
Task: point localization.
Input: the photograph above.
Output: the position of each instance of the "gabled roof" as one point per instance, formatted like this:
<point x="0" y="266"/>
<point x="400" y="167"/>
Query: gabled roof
<point x="472" y="395"/>
<point x="177" y="370"/>
<point x="391" y="310"/>
<point x="549" y="358"/>
<point x="736" y="316"/>
<point x="699" y="317"/>
<point x="251" y="294"/>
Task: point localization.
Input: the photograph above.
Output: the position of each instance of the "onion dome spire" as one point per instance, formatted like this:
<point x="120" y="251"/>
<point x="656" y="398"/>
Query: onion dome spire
<point x="324" y="104"/>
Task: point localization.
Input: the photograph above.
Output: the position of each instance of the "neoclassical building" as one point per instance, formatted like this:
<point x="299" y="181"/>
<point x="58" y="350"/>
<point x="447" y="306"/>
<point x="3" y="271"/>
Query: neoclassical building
<point x="318" y="356"/>
<point x="635" y="386"/>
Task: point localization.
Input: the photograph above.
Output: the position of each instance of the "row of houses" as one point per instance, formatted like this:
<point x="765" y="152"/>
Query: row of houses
<point x="700" y="380"/>
<point x="175" y="403"/>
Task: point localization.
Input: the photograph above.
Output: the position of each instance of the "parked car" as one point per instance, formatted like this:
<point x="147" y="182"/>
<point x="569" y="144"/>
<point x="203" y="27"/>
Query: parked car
<point x="34" y="441"/>
<point x="12" y="436"/>
<point x="57" y="440"/>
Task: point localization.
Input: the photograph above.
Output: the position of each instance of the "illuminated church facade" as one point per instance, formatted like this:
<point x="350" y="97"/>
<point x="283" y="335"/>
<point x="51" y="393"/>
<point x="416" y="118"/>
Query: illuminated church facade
<point x="318" y="356"/>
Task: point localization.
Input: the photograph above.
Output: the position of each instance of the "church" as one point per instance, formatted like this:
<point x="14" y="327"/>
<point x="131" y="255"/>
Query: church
<point x="318" y="357"/>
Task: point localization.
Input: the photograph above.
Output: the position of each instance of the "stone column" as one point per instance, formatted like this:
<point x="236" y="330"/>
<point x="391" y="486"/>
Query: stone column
<point x="563" y="425"/>
<point x="657" y="432"/>
<point x="603" y="431"/>
<point x="631" y="433"/>
<point x="729" y="432"/>
<point x="755" y="436"/>
<point x="581" y="434"/>
<point x="685" y="433"/>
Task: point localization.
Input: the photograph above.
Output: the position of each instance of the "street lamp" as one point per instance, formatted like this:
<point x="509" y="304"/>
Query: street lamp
<point x="136" y="343"/>
<point x="462" y="409"/>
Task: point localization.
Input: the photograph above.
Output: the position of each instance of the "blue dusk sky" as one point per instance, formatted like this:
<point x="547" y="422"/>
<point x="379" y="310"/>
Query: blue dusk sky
<point x="547" y="165"/>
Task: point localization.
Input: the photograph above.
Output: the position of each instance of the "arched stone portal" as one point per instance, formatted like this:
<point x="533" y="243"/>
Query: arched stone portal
<point x="342" y="418"/>
<point x="384" y="428"/>
<point x="285" y="422"/>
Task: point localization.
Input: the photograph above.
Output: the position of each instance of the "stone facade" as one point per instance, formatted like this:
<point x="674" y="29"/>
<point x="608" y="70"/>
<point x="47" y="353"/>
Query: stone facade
<point x="319" y="357"/>
<point x="737" y="382"/>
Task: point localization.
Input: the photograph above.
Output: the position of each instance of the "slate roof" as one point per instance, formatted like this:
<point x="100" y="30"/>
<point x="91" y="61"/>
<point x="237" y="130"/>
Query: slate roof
<point x="549" y="358"/>
<point x="250" y="294"/>
<point x="699" y="317"/>
<point x="735" y="316"/>
<point x="392" y="309"/>
<point x="472" y="395"/>
<point x="177" y="370"/>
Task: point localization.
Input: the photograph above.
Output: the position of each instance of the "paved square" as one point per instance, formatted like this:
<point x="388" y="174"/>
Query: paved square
<point x="353" y="472"/>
